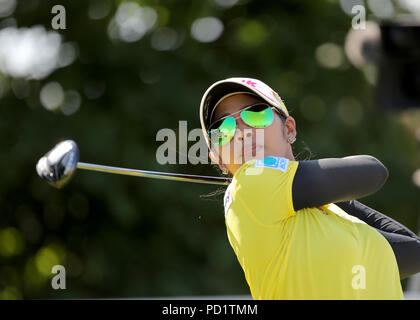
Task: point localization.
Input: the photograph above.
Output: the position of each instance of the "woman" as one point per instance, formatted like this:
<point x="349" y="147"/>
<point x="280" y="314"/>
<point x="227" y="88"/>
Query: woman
<point x="295" y="226"/>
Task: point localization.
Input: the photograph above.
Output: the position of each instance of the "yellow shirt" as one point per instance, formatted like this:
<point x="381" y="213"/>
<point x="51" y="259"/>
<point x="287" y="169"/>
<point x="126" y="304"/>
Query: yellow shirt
<point x="313" y="253"/>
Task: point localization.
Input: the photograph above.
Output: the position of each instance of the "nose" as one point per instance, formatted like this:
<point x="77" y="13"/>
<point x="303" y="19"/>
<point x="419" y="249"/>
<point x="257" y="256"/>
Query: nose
<point x="244" y="134"/>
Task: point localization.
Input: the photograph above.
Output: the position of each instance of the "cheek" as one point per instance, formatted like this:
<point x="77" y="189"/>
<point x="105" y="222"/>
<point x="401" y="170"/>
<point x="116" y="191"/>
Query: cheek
<point x="273" y="136"/>
<point x="225" y="152"/>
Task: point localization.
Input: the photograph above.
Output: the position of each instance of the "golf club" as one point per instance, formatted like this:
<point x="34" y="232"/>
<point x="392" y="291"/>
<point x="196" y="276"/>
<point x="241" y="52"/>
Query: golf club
<point x="59" y="164"/>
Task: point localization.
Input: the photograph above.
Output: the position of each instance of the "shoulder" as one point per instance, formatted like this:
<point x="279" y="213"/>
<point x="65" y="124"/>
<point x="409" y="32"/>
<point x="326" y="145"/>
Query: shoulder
<point x="263" y="188"/>
<point x="269" y="165"/>
<point x="278" y="163"/>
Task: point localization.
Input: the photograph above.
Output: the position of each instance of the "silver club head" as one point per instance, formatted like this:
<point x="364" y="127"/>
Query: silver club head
<point x="59" y="164"/>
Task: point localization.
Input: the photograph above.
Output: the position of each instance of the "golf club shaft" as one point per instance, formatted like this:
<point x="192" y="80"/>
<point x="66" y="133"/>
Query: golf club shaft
<point x="154" y="174"/>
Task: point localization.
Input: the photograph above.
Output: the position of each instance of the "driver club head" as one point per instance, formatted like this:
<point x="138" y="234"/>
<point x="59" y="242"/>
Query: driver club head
<point x="58" y="165"/>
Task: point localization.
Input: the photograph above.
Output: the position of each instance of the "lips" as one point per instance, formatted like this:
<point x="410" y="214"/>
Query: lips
<point x="251" y="150"/>
<point x="248" y="152"/>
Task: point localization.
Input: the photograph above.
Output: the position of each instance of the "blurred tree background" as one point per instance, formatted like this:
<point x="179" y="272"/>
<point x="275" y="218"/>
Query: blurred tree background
<point x="122" y="70"/>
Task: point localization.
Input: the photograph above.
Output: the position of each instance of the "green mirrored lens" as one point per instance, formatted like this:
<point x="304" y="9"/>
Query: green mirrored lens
<point x="258" y="119"/>
<point x="224" y="133"/>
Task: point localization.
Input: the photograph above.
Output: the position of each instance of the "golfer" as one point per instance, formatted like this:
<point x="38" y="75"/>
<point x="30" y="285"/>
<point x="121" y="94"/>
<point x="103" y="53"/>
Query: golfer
<point x="295" y="226"/>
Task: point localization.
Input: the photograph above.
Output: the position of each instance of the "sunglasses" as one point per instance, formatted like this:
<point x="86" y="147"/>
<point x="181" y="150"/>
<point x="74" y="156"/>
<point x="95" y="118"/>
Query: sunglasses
<point x="258" y="115"/>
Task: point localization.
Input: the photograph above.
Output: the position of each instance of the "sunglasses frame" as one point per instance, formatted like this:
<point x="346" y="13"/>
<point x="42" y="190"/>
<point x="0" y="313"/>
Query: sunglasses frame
<point x="240" y="115"/>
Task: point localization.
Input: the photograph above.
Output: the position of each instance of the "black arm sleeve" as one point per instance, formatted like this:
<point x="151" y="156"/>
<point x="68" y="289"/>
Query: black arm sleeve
<point x="323" y="181"/>
<point x="404" y="242"/>
<point x="407" y="252"/>
<point x="375" y="218"/>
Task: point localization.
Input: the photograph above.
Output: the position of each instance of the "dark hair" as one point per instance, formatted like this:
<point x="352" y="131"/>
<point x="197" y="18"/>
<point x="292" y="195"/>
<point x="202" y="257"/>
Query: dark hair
<point x="283" y="117"/>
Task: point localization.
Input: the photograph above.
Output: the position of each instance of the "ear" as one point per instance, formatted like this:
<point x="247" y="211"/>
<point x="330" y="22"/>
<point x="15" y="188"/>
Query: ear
<point x="290" y="126"/>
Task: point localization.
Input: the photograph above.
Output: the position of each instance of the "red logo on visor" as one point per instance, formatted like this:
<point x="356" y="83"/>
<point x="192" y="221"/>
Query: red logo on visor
<point x="250" y="83"/>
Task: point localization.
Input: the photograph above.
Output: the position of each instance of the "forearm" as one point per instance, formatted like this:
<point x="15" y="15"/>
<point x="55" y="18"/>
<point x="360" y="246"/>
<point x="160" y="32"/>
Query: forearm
<point x="407" y="252"/>
<point x="330" y="180"/>
<point x="375" y="218"/>
<point x="404" y="242"/>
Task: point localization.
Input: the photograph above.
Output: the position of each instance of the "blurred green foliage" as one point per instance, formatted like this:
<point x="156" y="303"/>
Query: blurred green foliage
<point x="126" y="237"/>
